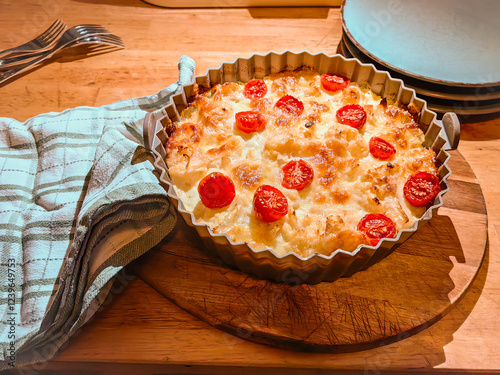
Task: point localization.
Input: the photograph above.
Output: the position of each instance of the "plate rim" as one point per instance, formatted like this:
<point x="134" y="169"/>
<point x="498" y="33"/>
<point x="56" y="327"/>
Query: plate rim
<point x="439" y="95"/>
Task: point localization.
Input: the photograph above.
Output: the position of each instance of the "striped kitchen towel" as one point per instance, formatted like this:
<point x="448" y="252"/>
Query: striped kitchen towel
<point x="78" y="201"/>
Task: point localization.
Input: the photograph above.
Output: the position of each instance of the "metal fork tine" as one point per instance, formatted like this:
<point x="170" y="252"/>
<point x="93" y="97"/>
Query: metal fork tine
<point x="110" y="37"/>
<point x="90" y="25"/>
<point x="117" y="43"/>
<point x="53" y="29"/>
<point x="96" y="41"/>
<point x="95" y="29"/>
<point x="98" y="38"/>
<point x="49" y="31"/>
<point x="54" y="34"/>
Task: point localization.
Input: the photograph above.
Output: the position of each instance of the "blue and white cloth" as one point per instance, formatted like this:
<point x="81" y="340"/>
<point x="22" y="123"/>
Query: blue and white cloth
<point x="78" y="202"/>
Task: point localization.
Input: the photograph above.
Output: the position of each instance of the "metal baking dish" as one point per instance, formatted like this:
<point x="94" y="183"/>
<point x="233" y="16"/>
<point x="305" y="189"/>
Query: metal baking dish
<point x="439" y="135"/>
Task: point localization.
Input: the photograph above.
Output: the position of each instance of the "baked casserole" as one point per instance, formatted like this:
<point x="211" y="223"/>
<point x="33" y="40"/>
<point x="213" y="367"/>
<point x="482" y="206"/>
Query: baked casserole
<point x="300" y="162"/>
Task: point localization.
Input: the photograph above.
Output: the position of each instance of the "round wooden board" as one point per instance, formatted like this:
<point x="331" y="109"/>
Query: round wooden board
<point x="397" y="297"/>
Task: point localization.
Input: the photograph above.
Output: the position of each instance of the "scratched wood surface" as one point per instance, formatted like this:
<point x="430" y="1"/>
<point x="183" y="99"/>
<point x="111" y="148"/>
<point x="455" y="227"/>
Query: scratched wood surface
<point x="399" y="296"/>
<point x="140" y="331"/>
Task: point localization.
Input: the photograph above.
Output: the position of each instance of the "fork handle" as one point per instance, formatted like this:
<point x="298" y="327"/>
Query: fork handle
<point x="13" y="50"/>
<point x="18" y="60"/>
<point x="15" y="71"/>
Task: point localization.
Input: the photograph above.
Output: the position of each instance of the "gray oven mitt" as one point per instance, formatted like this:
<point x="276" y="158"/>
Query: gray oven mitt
<point x="78" y="202"/>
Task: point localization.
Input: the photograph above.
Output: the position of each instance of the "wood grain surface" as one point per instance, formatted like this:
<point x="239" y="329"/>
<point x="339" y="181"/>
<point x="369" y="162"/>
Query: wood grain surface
<point x="140" y="331"/>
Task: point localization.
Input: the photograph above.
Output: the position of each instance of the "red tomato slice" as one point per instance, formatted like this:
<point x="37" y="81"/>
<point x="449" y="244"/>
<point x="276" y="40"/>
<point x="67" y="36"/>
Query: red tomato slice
<point x="216" y="190"/>
<point x="297" y="174"/>
<point x="381" y="149"/>
<point x="269" y="204"/>
<point x="255" y="89"/>
<point x="352" y="114"/>
<point x="334" y="82"/>
<point x="250" y="121"/>
<point x="377" y="226"/>
<point x="290" y="105"/>
<point x="421" y="188"/>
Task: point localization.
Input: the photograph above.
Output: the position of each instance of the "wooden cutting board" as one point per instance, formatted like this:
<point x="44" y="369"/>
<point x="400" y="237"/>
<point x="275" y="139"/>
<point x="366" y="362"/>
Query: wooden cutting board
<point x="397" y="297"/>
<point x="243" y="3"/>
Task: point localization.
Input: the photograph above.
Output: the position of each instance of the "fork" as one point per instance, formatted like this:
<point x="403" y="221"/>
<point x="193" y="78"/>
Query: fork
<point x="86" y="29"/>
<point x="104" y="39"/>
<point x="42" y="42"/>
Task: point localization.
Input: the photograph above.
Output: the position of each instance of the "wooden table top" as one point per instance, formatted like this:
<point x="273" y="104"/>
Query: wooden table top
<point x="138" y="330"/>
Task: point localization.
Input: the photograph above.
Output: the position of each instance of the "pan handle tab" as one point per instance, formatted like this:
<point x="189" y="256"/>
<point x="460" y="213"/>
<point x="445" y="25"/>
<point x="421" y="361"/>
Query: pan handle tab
<point x="451" y="127"/>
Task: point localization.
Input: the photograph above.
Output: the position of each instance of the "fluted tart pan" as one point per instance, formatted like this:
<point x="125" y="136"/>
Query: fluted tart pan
<point x="440" y="135"/>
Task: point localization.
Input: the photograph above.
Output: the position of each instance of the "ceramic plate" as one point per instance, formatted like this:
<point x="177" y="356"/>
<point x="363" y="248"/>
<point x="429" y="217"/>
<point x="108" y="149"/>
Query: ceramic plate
<point x="447" y="42"/>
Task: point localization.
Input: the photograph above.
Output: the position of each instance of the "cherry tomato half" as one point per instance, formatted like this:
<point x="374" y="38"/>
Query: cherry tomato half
<point x="352" y="114"/>
<point x="255" y="89"/>
<point x="290" y="105"/>
<point x="381" y="149"/>
<point x="297" y="174"/>
<point x="421" y="188"/>
<point x="216" y="190"/>
<point x="269" y="204"/>
<point x="377" y="226"/>
<point x="250" y="121"/>
<point x="334" y="82"/>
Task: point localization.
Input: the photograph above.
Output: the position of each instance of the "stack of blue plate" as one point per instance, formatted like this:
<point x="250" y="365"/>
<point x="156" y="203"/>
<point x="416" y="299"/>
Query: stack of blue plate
<point x="448" y="51"/>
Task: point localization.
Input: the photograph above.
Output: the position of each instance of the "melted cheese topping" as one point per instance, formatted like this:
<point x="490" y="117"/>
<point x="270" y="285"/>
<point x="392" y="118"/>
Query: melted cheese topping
<point x="348" y="181"/>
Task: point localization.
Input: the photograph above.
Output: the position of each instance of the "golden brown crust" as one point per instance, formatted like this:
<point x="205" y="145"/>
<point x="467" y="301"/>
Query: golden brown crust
<point x="247" y="176"/>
